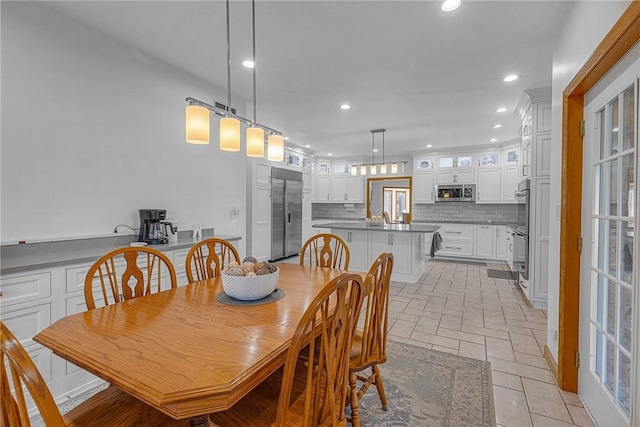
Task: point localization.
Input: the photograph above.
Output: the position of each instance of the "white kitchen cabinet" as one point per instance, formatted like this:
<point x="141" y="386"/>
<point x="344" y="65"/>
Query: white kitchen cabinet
<point x="489" y="159"/>
<point x="423" y="187"/>
<point x="324" y="188"/>
<point x="423" y="164"/>
<point x="27" y="307"/>
<point x="510" y="181"/>
<point x="358" y="248"/>
<point x="259" y="205"/>
<point x="306" y="182"/>
<point x="455" y="176"/>
<point x="399" y="244"/>
<point x="489" y="185"/>
<point x="485" y="241"/>
<point x="534" y="110"/>
<point x="347" y="189"/>
<point x="509" y="257"/>
<point x="457" y="240"/>
<point x="501" y="242"/>
<point x="179" y="263"/>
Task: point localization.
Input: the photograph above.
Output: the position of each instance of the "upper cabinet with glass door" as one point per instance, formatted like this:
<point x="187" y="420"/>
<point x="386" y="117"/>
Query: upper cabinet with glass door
<point x="489" y="159"/>
<point x="455" y="161"/>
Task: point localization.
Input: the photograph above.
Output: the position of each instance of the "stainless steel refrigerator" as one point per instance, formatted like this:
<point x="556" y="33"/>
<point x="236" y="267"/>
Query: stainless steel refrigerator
<point x="286" y="213"/>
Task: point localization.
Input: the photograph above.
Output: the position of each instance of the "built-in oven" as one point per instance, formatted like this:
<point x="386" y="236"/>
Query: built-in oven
<point x="521" y="234"/>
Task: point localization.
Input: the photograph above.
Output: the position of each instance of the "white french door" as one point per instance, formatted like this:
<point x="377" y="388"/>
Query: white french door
<point x="609" y="300"/>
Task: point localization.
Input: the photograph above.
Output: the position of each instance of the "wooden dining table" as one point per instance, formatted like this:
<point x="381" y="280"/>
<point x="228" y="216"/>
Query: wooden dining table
<point x="183" y="352"/>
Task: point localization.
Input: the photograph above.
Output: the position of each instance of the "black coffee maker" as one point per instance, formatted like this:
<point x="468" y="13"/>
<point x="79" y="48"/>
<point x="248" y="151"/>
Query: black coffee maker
<point x="152" y="229"/>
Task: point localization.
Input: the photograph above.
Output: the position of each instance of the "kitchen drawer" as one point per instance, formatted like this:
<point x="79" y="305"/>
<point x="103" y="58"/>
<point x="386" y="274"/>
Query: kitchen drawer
<point x="456" y="231"/>
<point x="456" y="248"/>
<point x="25" y="288"/>
<point x="76" y="275"/>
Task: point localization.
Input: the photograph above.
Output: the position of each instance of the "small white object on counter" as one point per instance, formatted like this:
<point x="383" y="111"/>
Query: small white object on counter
<point x="138" y="244"/>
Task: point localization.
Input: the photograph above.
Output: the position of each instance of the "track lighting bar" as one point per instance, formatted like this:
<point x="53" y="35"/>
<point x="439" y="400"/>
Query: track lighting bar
<point x="221" y="112"/>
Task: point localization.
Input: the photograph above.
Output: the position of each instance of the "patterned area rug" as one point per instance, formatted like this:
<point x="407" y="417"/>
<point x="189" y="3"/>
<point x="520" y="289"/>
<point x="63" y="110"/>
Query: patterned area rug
<point x="424" y="388"/>
<point x="430" y="388"/>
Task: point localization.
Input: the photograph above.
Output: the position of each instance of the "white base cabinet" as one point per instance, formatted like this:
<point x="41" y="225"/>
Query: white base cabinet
<point x="482" y="241"/>
<point x="358" y="243"/>
<point x="366" y="245"/>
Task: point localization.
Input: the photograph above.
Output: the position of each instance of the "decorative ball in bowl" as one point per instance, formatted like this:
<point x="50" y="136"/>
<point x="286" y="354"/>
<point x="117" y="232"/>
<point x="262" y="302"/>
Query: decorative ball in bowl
<point x="249" y="280"/>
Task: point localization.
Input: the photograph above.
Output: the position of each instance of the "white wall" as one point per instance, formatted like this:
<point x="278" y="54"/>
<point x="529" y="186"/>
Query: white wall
<point x="582" y="29"/>
<point x="93" y="130"/>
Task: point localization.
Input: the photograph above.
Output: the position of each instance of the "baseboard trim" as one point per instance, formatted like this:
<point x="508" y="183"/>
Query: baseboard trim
<point x="551" y="362"/>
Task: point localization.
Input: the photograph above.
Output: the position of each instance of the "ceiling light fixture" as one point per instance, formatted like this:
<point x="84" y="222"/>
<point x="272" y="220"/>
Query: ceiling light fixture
<point x="197" y="116"/>
<point x="345" y="107"/>
<point x="501" y="110"/>
<point x="493" y="139"/>
<point x="429" y="145"/>
<point x="497" y="126"/>
<point x="511" y="78"/>
<point x="255" y="135"/>
<point x="449" y="5"/>
<point x="372" y="168"/>
<point x="248" y="63"/>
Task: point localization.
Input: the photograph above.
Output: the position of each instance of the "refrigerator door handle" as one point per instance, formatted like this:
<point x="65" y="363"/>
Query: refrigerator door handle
<point x="289" y="217"/>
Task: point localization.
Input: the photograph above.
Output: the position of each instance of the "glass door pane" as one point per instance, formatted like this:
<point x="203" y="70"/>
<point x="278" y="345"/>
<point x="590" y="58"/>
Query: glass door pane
<point x="612" y="260"/>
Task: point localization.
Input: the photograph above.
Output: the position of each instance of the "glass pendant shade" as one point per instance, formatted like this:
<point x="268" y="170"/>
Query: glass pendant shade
<point x="196" y="121"/>
<point x="394" y="168"/>
<point x="275" y="150"/>
<point x="255" y="142"/>
<point x="229" y="134"/>
<point x="363" y="169"/>
<point x="354" y="170"/>
<point x="383" y="169"/>
<point x="373" y="169"/>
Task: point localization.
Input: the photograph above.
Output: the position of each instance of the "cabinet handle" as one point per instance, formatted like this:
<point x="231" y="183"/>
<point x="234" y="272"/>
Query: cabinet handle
<point x="510" y="247"/>
<point x="453" y="247"/>
<point x="453" y="232"/>
<point x="391" y="239"/>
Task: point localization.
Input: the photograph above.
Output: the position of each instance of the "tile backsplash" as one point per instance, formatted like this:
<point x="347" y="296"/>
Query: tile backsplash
<point x="339" y="210"/>
<point x="449" y="211"/>
<point x="464" y="211"/>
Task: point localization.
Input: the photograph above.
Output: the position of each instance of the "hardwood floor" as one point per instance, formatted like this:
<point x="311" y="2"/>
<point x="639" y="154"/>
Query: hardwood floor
<point x="457" y="308"/>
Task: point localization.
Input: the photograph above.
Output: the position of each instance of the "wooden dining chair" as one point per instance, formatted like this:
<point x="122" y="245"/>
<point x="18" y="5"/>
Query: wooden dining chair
<point x="325" y="250"/>
<point x="314" y="392"/>
<point x="127" y="273"/>
<point x="369" y="348"/>
<point x="20" y="379"/>
<point x="208" y="258"/>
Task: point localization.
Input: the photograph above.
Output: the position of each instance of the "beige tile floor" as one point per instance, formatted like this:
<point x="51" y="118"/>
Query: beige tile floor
<point x="457" y="308"/>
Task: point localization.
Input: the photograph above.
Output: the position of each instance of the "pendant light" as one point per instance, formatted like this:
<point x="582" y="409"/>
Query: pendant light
<point x="275" y="150"/>
<point x="255" y="135"/>
<point x="196" y="119"/>
<point x="229" y="125"/>
<point x="372" y="168"/>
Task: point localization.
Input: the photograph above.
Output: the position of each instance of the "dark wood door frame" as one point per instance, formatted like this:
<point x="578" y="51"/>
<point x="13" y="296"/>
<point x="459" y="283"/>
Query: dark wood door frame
<point x="622" y="37"/>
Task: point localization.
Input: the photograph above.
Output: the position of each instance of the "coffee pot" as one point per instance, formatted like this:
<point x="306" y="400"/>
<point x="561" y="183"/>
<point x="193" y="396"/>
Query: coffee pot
<point x="153" y="227"/>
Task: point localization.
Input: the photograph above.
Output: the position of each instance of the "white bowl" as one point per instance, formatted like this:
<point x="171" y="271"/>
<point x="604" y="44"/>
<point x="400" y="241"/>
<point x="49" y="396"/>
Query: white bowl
<point x="250" y="287"/>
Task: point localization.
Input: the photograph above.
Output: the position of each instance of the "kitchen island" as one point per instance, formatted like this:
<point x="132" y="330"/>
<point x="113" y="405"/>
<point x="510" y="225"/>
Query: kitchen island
<point x="366" y="242"/>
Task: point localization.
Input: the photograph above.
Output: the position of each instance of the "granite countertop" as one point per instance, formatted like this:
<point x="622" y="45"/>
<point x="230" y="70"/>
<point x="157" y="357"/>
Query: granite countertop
<point x="16" y="258"/>
<point x="410" y="228"/>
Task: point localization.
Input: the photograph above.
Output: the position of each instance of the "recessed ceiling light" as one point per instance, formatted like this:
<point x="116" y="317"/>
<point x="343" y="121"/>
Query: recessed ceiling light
<point x="501" y="110"/>
<point x="510" y="78"/>
<point x="429" y="145"/>
<point x="375" y="150"/>
<point x="497" y="126"/>
<point x="248" y="63"/>
<point x="286" y="138"/>
<point x="329" y="154"/>
<point x="493" y="139"/>
<point x="449" y="5"/>
<point x="307" y="146"/>
<point x="345" y="106"/>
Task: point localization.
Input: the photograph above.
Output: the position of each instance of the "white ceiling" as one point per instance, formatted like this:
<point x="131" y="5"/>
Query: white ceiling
<point x="426" y="76"/>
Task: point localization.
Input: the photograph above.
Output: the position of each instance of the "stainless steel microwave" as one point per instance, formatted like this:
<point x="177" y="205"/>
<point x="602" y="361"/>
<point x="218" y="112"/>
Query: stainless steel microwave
<point x="456" y="193"/>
